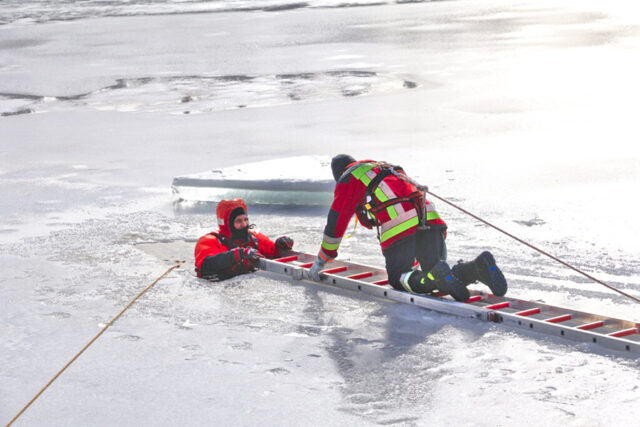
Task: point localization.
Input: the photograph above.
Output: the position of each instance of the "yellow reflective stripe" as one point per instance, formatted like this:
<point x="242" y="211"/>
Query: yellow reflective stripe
<point x="432" y="215"/>
<point x="387" y="190"/>
<point x="391" y="210"/>
<point x="330" y="246"/>
<point x="380" y="195"/>
<point x="399" y="228"/>
<point x="402" y="217"/>
<point x="361" y="173"/>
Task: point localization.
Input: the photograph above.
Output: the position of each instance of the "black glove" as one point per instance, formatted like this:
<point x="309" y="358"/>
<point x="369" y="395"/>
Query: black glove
<point x="284" y="243"/>
<point x="250" y="258"/>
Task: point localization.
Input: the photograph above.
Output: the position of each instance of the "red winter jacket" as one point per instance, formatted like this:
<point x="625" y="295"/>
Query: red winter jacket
<point x="349" y="194"/>
<point x="218" y="257"/>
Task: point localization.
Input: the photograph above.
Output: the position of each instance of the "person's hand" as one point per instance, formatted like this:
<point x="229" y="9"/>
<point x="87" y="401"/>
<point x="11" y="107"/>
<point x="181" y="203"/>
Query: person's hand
<point x="284" y="243"/>
<point x="250" y="258"/>
<point x="314" y="271"/>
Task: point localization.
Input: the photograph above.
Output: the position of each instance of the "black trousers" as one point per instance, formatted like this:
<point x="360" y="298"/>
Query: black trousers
<point x="427" y="246"/>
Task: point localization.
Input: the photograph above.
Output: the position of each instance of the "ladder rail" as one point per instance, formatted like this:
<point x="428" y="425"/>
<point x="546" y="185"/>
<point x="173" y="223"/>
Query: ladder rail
<point x="616" y="334"/>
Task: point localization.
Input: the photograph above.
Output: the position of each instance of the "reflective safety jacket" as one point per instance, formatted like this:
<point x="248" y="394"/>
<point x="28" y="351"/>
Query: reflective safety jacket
<point x="396" y="221"/>
<point x="218" y="257"/>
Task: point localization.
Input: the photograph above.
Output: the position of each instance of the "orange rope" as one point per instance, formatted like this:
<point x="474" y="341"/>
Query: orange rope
<point x="111" y="322"/>
<point x="536" y="249"/>
<point x="355" y="224"/>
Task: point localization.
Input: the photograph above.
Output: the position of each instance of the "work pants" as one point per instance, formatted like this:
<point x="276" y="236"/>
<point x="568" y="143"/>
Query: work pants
<point x="427" y="246"/>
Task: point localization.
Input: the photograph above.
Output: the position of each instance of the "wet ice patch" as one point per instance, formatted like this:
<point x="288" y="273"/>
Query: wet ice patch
<point x="205" y="94"/>
<point x="39" y="11"/>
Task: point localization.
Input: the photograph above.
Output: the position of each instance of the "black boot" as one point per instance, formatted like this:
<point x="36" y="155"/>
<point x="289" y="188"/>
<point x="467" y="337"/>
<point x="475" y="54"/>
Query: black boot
<point x="484" y="269"/>
<point x="439" y="278"/>
<point x="417" y="282"/>
<point x="443" y="279"/>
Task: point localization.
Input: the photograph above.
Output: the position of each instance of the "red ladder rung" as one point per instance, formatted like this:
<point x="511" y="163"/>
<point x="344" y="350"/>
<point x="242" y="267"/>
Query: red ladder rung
<point x="559" y="319"/>
<point x="474" y="298"/>
<point x="382" y="282"/>
<point x="528" y="312"/>
<point x="287" y="258"/>
<point x="498" y="305"/>
<point x="591" y="325"/>
<point x="307" y="265"/>
<point x="624" y="332"/>
<point x="361" y="275"/>
<point x="335" y="270"/>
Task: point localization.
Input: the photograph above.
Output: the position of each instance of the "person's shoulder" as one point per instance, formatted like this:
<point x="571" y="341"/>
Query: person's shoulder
<point x="258" y="234"/>
<point x="209" y="237"/>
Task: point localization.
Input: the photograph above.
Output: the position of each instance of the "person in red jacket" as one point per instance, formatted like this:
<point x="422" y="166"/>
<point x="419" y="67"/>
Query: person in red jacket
<point x="235" y="249"/>
<point x="408" y="226"/>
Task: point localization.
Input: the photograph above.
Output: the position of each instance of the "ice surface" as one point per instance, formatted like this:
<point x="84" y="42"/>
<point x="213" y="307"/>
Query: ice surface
<point x="205" y="94"/>
<point x="522" y="112"/>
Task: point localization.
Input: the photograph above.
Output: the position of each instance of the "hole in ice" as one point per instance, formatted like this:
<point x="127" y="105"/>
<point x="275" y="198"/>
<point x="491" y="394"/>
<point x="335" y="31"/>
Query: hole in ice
<point x="206" y="94"/>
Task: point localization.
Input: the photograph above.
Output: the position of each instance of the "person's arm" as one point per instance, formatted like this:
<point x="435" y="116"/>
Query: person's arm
<point x="271" y="249"/>
<point x="214" y="260"/>
<point x="342" y="209"/>
<point x="345" y="200"/>
<point x="230" y="263"/>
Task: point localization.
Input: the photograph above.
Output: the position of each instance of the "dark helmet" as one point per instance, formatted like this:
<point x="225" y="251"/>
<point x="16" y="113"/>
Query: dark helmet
<point x="339" y="163"/>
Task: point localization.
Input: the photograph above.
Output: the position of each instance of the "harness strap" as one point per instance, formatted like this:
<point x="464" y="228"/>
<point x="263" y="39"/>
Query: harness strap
<point x="416" y="198"/>
<point x="382" y="206"/>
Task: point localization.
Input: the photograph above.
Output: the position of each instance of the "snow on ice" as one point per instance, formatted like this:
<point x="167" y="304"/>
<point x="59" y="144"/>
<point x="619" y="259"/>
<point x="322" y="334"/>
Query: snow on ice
<point x="523" y="112"/>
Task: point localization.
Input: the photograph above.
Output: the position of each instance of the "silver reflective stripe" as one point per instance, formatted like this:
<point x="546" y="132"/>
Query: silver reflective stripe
<point x="399" y="208"/>
<point x="404" y="280"/>
<point x="332" y="240"/>
<point x="382" y="186"/>
<point x="387" y="190"/>
<point x="430" y="208"/>
<point x="404" y="216"/>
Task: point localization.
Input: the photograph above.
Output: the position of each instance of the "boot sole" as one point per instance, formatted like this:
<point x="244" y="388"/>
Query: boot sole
<point x="497" y="282"/>
<point x="453" y="286"/>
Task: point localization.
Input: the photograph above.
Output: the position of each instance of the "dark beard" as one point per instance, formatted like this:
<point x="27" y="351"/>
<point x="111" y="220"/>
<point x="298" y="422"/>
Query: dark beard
<point x="242" y="234"/>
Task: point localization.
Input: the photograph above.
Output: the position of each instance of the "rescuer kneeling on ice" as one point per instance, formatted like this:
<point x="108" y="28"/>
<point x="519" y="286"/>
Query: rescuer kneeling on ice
<point x="409" y="228"/>
<point x="235" y="249"/>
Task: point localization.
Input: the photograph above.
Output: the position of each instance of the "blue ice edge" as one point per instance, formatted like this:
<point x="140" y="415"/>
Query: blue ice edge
<point x="270" y="192"/>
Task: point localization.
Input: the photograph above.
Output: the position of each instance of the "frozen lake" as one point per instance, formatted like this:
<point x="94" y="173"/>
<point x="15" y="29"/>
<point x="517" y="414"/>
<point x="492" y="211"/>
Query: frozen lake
<point x="522" y="112"/>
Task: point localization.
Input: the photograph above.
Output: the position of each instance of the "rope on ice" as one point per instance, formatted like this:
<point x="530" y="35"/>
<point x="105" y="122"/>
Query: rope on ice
<point x="111" y="322"/>
<point x="577" y="270"/>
